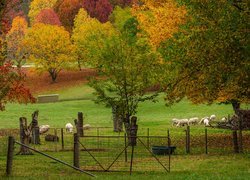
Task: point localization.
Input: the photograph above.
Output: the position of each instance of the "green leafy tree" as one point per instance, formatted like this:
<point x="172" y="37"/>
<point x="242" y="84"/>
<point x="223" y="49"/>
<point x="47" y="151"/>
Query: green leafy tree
<point x="50" y="48"/>
<point x="88" y="33"/>
<point x="129" y="67"/>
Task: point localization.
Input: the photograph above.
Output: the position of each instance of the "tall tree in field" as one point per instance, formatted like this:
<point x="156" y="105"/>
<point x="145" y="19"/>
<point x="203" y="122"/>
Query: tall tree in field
<point x="49" y="47"/>
<point x="11" y="82"/>
<point x="129" y="67"/>
<point x="99" y="9"/>
<point x="67" y="10"/>
<point x="209" y="59"/>
<point x="88" y="33"/>
<point x="37" y="5"/>
<point x="47" y="16"/>
<point x="14" y="41"/>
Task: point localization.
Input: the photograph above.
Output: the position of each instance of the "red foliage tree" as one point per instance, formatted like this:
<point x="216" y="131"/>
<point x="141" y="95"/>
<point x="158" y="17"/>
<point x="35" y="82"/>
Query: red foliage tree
<point x="9" y="10"/>
<point x="67" y="10"/>
<point x="48" y="16"/>
<point x="99" y="9"/>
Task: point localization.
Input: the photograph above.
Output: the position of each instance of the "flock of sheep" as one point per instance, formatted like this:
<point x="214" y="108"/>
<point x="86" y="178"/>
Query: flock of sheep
<point x="195" y="120"/>
<point x="175" y="122"/>
<point x="69" y="128"/>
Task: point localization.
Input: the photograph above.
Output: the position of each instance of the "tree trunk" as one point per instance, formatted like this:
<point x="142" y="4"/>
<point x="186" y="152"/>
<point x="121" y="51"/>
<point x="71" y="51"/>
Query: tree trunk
<point x="117" y="119"/>
<point x="53" y="75"/>
<point x="131" y="129"/>
<point x="34" y="128"/>
<point x="24" y="136"/>
<point x="236" y="106"/>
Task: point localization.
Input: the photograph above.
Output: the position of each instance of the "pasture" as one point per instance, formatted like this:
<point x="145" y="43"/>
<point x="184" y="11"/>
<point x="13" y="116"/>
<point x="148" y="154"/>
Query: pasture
<point x="153" y="116"/>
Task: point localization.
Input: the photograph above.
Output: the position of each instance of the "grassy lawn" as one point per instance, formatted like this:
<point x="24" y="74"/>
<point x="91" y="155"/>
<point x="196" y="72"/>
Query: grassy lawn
<point x="155" y="116"/>
<point x="150" y="115"/>
<point x="182" y="167"/>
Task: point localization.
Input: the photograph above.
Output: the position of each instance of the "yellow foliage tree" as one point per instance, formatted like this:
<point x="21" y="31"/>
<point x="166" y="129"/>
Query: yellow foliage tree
<point x="89" y="34"/>
<point x="14" y="39"/>
<point x="49" y="47"/>
<point x="37" y="5"/>
<point x="160" y="19"/>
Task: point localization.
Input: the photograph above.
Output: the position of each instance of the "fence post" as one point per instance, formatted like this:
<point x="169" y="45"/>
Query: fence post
<point x="148" y="137"/>
<point x="206" y="141"/>
<point x="55" y="133"/>
<point x="10" y="155"/>
<point x="188" y="140"/>
<point x="62" y="138"/>
<point x="240" y="134"/>
<point x="125" y="145"/>
<point x="76" y="150"/>
<point x="235" y="142"/>
<point x="169" y="153"/>
<point x="80" y="124"/>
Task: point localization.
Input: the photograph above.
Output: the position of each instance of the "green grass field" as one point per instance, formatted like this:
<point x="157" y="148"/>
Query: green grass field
<point x="155" y="116"/>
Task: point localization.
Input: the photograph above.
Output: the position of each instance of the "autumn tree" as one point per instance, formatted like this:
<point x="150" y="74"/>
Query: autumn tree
<point x="67" y="10"/>
<point x="88" y="33"/>
<point x="11" y="82"/>
<point x="99" y="9"/>
<point x="159" y="19"/>
<point x="37" y="5"/>
<point x="49" y="47"/>
<point x="47" y="16"/>
<point x="209" y="58"/>
<point x="14" y="41"/>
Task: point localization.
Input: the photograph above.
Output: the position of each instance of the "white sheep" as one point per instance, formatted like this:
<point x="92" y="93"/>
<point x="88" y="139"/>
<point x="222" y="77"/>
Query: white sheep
<point x="69" y="127"/>
<point x="193" y="120"/>
<point x="86" y="126"/>
<point x="182" y="122"/>
<point x="202" y="119"/>
<point x="43" y="128"/>
<point x="224" y="119"/>
<point x="212" y="118"/>
<point x="206" y="122"/>
<point x="175" y="121"/>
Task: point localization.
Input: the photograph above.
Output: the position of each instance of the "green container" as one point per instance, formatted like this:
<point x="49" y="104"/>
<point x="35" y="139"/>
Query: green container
<point x="163" y="150"/>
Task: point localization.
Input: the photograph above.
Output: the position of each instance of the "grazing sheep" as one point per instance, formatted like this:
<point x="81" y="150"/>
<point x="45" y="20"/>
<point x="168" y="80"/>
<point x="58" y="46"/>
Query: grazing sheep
<point x="174" y="121"/>
<point x="202" y="119"/>
<point x="206" y="122"/>
<point x="212" y="117"/>
<point x="224" y="119"/>
<point x="182" y="122"/>
<point x="86" y="126"/>
<point x="43" y="129"/>
<point x="69" y="127"/>
<point x="193" y="120"/>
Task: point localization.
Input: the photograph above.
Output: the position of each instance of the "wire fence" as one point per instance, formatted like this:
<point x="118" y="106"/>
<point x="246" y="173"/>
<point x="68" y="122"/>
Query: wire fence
<point x="218" y="141"/>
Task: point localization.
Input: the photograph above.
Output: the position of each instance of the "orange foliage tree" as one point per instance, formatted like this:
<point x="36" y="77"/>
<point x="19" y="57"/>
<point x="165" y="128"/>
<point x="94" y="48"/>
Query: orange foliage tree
<point x="14" y="39"/>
